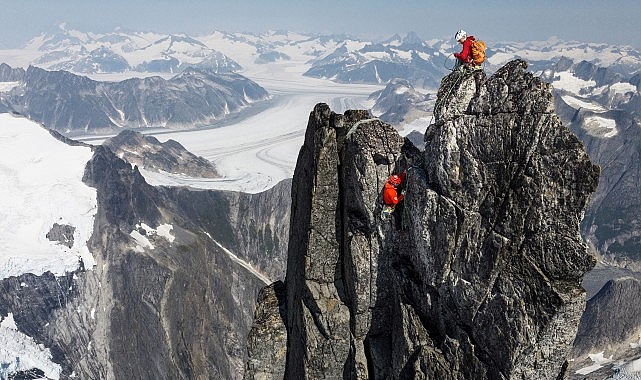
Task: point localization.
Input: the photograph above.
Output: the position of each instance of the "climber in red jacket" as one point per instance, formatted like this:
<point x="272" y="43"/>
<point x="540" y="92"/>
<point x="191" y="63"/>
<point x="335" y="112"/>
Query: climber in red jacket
<point x="465" y="59"/>
<point x="391" y="199"/>
<point x="465" y="56"/>
<point x="390" y="193"/>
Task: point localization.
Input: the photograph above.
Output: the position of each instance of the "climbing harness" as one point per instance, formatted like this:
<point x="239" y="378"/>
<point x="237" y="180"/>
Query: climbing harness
<point x="386" y="212"/>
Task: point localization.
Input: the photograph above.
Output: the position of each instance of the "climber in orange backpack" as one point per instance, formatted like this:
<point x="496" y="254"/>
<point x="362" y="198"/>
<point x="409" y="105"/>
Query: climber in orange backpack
<point x="471" y="58"/>
<point x="473" y="53"/>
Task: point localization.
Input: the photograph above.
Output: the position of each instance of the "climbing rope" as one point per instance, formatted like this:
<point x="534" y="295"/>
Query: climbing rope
<point x="358" y="124"/>
<point x="447" y="60"/>
<point x="451" y="88"/>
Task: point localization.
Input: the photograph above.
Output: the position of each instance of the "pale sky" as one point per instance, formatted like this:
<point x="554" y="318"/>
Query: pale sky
<point x="613" y="21"/>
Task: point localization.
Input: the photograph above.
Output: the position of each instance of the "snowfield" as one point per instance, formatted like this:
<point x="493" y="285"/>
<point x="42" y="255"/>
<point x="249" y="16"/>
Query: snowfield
<point x="567" y="81"/>
<point x="600" y="127"/>
<point x="19" y="352"/>
<point x="41" y="185"/>
<point x="578" y="103"/>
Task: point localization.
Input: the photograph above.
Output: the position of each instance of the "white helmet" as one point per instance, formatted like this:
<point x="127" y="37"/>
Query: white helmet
<point x="460" y="34"/>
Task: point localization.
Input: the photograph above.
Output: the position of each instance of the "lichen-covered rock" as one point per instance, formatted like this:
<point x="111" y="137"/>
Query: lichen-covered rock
<point x="476" y="277"/>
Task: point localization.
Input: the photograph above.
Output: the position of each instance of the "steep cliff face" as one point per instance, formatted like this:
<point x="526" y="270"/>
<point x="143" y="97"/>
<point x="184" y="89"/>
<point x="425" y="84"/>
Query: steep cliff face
<point x="172" y="292"/>
<point x="166" y="299"/>
<point x="478" y="276"/>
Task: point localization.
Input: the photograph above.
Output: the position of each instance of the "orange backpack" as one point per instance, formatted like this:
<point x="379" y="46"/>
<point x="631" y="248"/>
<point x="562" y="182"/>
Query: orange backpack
<point x="478" y="52"/>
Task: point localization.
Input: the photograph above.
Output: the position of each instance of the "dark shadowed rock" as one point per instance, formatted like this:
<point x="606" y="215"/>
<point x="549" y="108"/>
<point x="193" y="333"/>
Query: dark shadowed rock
<point x="478" y="278"/>
<point x="62" y="234"/>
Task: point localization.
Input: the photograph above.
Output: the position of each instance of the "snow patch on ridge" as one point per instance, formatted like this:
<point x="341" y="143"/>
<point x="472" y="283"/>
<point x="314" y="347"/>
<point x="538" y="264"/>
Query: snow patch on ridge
<point x="567" y="81"/>
<point x="598" y="359"/>
<point x="600" y="127"/>
<point x="142" y="238"/>
<point x="623" y="88"/>
<point x="578" y="103"/>
<point x="8" y="86"/>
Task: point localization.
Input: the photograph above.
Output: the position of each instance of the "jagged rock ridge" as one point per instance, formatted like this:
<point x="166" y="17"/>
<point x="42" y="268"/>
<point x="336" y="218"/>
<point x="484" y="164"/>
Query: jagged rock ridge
<point x="70" y="103"/>
<point x="149" y="153"/>
<point x="481" y="280"/>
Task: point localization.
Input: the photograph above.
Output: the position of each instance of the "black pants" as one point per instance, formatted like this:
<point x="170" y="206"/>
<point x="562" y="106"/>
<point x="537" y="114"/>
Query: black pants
<point x="398" y="215"/>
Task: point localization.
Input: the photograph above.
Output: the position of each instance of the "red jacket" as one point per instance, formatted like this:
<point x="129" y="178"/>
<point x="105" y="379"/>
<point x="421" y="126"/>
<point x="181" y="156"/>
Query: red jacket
<point x="390" y="194"/>
<point x="466" y="54"/>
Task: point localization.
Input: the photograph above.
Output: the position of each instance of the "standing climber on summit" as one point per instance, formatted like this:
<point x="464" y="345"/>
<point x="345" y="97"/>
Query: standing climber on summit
<point x="471" y="57"/>
<point x="465" y="57"/>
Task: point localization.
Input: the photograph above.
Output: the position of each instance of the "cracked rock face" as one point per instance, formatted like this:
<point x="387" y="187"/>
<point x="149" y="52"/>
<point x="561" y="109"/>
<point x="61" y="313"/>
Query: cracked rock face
<point x="479" y="276"/>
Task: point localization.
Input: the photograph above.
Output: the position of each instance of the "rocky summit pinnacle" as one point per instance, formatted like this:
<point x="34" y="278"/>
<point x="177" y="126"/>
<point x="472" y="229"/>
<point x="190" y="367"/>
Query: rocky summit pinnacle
<point x="476" y="277"/>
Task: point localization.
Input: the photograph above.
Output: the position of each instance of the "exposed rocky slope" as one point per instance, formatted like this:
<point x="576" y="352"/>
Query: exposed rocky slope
<point x="151" y="154"/>
<point x="611" y="327"/>
<point x="174" y="287"/>
<point x="482" y="280"/>
<point x="399" y="102"/>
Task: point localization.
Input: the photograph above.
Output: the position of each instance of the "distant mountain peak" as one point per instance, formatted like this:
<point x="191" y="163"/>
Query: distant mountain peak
<point x="412" y="39"/>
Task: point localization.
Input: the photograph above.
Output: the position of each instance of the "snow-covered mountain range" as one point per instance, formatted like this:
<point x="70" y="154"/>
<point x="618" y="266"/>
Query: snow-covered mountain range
<point x="340" y="57"/>
<point x="597" y="87"/>
<point x="584" y="69"/>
